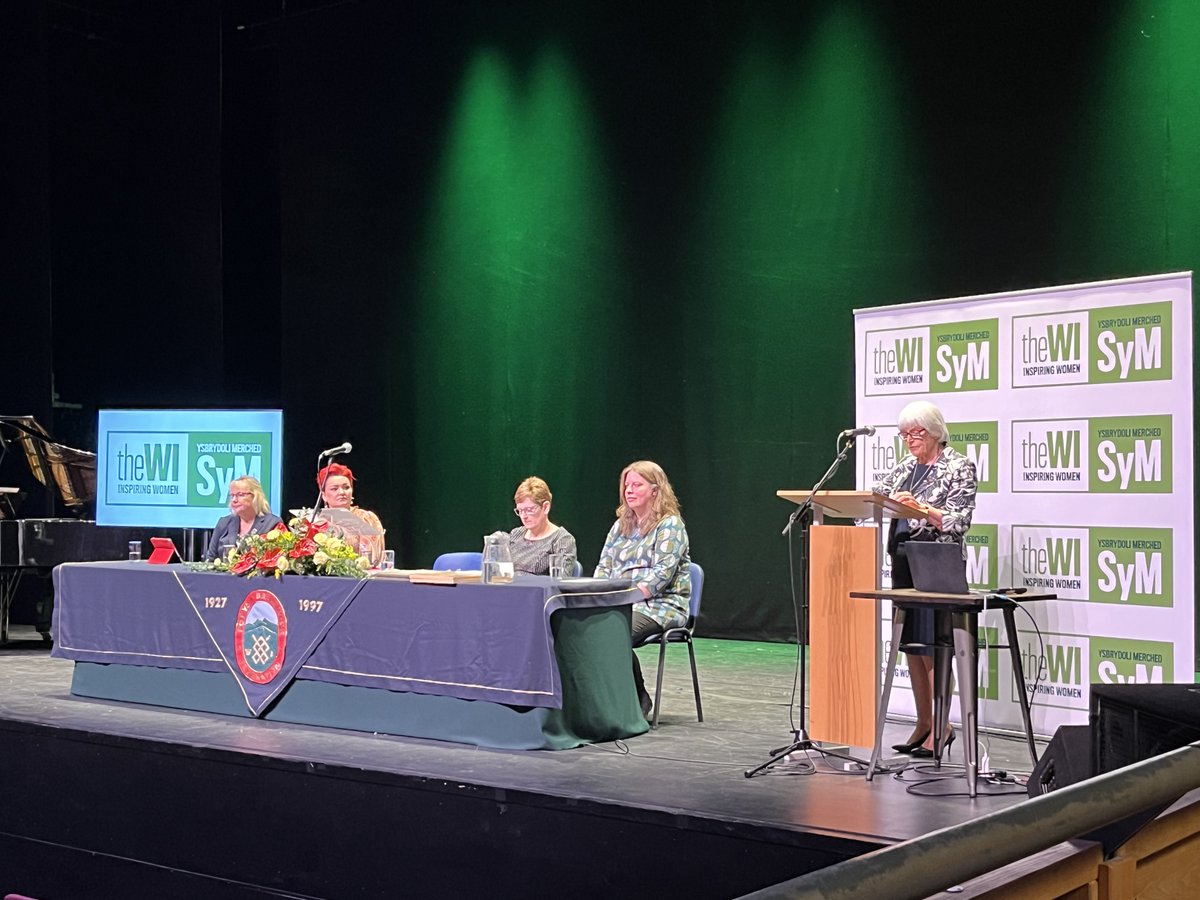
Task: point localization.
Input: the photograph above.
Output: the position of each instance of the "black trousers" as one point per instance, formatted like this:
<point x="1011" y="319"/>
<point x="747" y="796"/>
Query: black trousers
<point x="643" y="627"/>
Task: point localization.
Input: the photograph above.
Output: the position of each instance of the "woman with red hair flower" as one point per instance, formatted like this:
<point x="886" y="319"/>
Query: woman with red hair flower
<point x="337" y="492"/>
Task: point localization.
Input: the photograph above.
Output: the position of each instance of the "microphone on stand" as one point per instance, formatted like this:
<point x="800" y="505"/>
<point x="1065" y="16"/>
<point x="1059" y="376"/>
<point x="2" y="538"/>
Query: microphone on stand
<point x="341" y="449"/>
<point x="861" y="431"/>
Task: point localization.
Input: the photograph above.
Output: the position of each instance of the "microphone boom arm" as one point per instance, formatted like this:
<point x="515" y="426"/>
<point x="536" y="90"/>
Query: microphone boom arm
<point x="808" y="501"/>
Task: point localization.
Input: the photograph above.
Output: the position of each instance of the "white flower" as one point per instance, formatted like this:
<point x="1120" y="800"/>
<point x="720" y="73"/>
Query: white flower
<point x="320" y="558"/>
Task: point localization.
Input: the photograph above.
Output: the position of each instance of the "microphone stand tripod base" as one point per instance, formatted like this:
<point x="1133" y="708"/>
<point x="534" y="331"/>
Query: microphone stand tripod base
<point x="800" y="745"/>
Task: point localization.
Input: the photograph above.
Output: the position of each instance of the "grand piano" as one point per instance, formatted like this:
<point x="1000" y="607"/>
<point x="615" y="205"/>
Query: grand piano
<point x="31" y="546"/>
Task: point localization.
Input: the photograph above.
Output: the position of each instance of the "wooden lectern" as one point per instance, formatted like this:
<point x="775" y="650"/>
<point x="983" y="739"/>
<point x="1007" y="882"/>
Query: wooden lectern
<point x="844" y="636"/>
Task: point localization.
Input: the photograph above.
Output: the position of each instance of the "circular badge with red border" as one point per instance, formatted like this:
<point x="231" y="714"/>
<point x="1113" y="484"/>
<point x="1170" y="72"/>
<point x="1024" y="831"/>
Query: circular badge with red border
<point x="260" y="636"/>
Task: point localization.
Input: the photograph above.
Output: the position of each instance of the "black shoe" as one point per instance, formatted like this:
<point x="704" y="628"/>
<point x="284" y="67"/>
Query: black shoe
<point x="911" y="746"/>
<point x="926" y="753"/>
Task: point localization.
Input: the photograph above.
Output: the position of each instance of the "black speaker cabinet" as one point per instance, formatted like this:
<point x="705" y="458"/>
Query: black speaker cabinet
<point x="1132" y="722"/>
<point x="1128" y="723"/>
<point x="1066" y="760"/>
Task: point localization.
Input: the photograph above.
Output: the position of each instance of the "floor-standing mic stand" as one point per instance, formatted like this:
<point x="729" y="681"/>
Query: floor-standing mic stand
<point x="802" y="515"/>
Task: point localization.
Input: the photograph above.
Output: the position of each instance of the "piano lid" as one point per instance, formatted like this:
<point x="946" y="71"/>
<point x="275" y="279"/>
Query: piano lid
<point x="71" y="471"/>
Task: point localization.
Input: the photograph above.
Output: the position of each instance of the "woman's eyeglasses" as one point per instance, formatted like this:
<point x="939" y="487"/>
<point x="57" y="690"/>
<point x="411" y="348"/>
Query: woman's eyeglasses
<point x="240" y="495"/>
<point x="524" y="511"/>
<point x="915" y="435"/>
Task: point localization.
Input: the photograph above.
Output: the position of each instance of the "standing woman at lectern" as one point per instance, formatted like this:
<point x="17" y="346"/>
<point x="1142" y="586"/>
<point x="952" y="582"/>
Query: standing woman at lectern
<point x="941" y="482"/>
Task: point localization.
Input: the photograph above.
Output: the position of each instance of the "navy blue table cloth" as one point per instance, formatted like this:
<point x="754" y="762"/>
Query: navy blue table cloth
<point x="470" y="642"/>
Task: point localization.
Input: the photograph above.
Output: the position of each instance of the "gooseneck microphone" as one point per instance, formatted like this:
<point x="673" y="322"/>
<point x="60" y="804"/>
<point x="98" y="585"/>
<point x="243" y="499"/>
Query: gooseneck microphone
<point x="342" y="449"/>
<point x="863" y="431"/>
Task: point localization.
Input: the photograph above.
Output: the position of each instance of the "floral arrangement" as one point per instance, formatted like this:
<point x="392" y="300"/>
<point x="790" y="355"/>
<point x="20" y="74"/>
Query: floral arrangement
<point x="302" y="548"/>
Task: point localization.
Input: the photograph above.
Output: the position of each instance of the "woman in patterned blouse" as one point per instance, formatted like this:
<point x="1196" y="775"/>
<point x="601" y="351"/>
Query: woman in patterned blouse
<point x="941" y="483"/>
<point x="532" y="542"/>
<point x="649" y="545"/>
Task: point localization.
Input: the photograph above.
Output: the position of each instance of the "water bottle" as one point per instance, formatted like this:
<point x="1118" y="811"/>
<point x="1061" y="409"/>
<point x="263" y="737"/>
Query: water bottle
<point x="497" y="560"/>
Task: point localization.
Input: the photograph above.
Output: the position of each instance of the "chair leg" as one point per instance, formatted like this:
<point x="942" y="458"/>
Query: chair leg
<point x="662" y="658"/>
<point x="695" y="682"/>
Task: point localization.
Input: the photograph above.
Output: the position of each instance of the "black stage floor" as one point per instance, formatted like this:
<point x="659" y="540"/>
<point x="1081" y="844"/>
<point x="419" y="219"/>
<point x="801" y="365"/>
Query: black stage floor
<point x="616" y="810"/>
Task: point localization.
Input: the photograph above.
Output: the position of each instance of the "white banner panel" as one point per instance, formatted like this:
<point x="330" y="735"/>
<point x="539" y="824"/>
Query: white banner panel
<point x="1068" y="400"/>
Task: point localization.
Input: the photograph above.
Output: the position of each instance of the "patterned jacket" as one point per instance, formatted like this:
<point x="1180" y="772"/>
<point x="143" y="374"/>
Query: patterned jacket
<point x="949" y="485"/>
<point x="660" y="561"/>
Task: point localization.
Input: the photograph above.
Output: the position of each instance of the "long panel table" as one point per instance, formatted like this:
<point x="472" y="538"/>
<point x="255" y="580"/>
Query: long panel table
<point x="534" y="664"/>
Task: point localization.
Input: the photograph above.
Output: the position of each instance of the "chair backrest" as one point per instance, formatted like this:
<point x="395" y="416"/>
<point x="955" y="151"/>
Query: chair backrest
<point x="462" y="560"/>
<point x="578" y="569"/>
<point x="697" y="574"/>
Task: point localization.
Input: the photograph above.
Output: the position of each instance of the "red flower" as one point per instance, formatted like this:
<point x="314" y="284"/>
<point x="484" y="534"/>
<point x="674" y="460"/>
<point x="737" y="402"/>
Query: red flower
<point x="245" y="564"/>
<point x="304" y="547"/>
<point x="270" y="559"/>
<point x="314" y="528"/>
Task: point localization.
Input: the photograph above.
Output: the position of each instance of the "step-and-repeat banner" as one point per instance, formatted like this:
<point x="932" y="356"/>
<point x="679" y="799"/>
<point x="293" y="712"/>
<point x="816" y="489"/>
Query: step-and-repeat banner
<point x="1075" y="404"/>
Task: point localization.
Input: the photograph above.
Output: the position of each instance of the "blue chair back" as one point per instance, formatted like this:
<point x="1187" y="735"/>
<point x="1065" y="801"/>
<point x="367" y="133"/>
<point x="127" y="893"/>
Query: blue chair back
<point x="578" y="569"/>
<point x="462" y="560"/>
<point x="697" y="574"/>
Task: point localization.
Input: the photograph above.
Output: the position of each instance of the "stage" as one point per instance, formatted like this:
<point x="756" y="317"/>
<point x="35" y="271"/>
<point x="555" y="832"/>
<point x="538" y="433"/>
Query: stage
<point x="102" y="794"/>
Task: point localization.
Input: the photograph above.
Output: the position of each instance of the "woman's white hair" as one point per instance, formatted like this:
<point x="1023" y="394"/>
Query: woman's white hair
<point x="923" y="414"/>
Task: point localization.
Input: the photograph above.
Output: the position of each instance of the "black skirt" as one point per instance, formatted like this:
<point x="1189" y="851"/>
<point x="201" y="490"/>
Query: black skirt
<point x="918" y="633"/>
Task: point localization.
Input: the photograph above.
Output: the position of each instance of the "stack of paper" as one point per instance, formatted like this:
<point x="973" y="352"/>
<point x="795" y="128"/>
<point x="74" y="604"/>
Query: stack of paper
<point x="431" y="576"/>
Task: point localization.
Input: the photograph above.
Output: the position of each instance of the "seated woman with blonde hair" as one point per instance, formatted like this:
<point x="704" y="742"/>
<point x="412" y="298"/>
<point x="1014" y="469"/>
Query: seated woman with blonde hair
<point x="249" y="513"/>
<point x="649" y="545"/>
<point x="533" y="541"/>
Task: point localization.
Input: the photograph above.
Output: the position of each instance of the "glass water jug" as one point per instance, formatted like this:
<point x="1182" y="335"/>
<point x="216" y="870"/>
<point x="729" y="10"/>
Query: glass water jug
<point x="497" y="560"/>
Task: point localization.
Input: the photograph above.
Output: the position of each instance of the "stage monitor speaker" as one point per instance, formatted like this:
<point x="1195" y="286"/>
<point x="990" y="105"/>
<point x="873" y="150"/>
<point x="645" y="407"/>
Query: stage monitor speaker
<point x="1066" y="760"/>
<point x="1132" y="722"/>
<point x="1129" y="723"/>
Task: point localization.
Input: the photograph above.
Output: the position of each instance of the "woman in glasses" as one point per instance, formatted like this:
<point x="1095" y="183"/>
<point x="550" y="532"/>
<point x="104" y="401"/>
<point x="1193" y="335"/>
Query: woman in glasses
<point x="532" y="542"/>
<point x="337" y="492"/>
<point x="941" y="483"/>
<point x="248" y="514"/>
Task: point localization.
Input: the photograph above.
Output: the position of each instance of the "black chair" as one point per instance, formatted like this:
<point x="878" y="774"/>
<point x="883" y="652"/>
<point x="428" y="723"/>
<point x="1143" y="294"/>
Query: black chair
<point x="679" y="635"/>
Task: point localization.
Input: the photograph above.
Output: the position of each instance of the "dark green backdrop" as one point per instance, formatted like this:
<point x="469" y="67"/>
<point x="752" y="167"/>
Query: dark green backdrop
<point x="485" y="240"/>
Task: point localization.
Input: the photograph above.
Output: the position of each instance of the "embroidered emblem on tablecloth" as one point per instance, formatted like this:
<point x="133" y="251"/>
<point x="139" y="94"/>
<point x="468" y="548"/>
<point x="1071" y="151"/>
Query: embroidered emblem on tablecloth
<point x="260" y="636"/>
